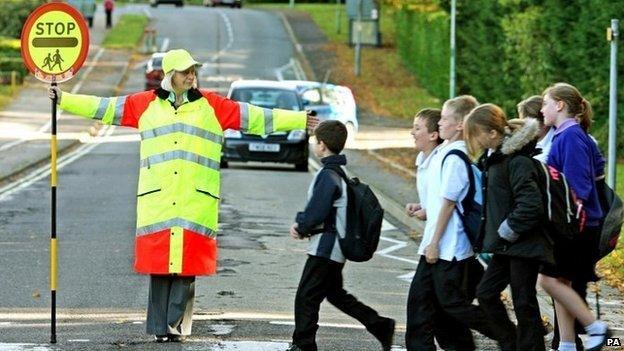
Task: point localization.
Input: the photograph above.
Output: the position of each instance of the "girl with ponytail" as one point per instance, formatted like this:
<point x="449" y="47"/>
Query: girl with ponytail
<point x="575" y="154"/>
<point x="512" y="225"/>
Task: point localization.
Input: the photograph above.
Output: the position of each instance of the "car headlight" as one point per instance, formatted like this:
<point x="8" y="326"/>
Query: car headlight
<point x="232" y="134"/>
<point x="297" y="134"/>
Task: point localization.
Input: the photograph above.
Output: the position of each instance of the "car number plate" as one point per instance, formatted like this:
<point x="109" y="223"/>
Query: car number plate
<point x="264" y="147"/>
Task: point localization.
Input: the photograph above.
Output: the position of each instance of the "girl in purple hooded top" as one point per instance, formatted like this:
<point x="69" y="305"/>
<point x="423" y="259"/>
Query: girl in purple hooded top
<point x="575" y="154"/>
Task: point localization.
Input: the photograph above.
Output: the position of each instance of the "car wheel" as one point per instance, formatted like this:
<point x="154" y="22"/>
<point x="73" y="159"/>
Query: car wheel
<point x="180" y="4"/>
<point x="224" y="163"/>
<point x="302" y="167"/>
<point x="154" y="5"/>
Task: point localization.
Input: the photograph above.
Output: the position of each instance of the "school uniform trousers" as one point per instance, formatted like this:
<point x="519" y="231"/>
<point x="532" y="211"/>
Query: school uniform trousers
<point x="322" y="279"/>
<point x="439" y="285"/>
<point x="170" y="305"/>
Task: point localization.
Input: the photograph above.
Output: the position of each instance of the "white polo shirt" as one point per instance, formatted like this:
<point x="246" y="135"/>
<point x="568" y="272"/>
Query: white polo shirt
<point x="422" y="174"/>
<point x="450" y="183"/>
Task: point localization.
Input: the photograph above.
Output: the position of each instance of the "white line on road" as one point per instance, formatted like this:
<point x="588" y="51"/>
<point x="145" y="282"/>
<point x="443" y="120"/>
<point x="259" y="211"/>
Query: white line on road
<point x="44" y="171"/>
<point x="230" y="34"/>
<point x="74" y="90"/>
<point x="165" y="45"/>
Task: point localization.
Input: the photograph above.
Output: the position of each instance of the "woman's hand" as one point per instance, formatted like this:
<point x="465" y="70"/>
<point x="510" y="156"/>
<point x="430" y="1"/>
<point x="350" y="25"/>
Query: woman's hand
<point x="312" y="121"/>
<point x="55" y="92"/>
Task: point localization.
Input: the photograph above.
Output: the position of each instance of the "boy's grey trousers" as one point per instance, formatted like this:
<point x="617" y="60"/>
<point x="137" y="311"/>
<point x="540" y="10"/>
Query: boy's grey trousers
<point x="170" y="305"/>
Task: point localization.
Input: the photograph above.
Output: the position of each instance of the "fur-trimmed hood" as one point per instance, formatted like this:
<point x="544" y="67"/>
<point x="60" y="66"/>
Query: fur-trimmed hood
<point x="523" y="138"/>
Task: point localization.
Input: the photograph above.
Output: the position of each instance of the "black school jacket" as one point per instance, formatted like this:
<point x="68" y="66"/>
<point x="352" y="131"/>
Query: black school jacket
<point x="513" y="211"/>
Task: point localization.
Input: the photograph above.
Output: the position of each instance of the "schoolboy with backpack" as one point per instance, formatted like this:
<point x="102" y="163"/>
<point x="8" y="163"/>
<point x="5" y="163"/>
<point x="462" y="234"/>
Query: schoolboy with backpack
<point x="332" y="221"/>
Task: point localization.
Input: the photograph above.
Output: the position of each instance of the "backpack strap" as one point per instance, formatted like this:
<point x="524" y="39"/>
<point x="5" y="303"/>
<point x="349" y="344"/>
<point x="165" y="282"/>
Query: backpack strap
<point x="468" y="163"/>
<point x="338" y="170"/>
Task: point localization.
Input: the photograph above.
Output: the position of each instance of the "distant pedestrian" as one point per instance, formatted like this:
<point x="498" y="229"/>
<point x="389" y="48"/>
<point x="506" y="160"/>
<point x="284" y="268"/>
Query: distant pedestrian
<point x="531" y="108"/>
<point x="512" y="227"/>
<point x="575" y="154"/>
<point x="108" y="8"/>
<point x="325" y="214"/>
<point x="447" y="331"/>
<point x="179" y="179"/>
<point x="446" y="252"/>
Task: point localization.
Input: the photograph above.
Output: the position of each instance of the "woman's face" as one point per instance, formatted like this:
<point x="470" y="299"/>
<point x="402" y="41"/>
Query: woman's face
<point x="551" y="110"/>
<point x="423" y="139"/>
<point x="184" y="80"/>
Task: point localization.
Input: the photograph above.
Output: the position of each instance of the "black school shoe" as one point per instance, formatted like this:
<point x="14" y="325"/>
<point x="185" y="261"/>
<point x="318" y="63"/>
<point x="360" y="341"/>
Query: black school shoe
<point x="161" y="338"/>
<point x="387" y="335"/>
<point x="176" y="338"/>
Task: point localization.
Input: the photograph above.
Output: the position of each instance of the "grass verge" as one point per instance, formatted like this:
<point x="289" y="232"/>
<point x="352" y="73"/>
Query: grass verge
<point x="126" y="33"/>
<point x="385" y="87"/>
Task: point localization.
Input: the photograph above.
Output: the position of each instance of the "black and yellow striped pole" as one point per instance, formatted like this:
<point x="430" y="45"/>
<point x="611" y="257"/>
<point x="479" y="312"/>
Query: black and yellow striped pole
<point x="54" y="32"/>
<point x="53" y="244"/>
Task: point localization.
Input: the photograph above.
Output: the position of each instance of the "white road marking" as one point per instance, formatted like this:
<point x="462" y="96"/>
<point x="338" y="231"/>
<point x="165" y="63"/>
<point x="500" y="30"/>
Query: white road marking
<point x="230" y="34"/>
<point x="165" y="45"/>
<point x="59" y="113"/>
<point x="44" y="171"/>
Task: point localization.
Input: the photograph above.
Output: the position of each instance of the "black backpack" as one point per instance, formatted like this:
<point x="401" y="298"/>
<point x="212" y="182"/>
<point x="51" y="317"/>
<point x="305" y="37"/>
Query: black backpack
<point x="564" y="220"/>
<point x="364" y="219"/>
<point x="613" y="215"/>
<point x="472" y="204"/>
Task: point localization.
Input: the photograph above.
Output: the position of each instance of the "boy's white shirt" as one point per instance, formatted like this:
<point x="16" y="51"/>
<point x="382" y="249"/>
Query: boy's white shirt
<point x="422" y="174"/>
<point x="545" y="145"/>
<point x="449" y="183"/>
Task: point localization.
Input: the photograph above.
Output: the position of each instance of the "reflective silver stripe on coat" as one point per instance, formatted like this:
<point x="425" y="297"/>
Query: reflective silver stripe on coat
<point x="182" y="128"/>
<point x="119" y="107"/>
<point x="244" y="116"/>
<point x="101" y="110"/>
<point x="180" y="155"/>
<point x="176" y="222"/>
<point x="268" y="120"/>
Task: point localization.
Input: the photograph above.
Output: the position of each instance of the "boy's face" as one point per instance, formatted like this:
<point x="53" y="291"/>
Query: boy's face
<point x="423" y="139"/>
<point x="319" y="149"/>
<point x="449" y="126"/>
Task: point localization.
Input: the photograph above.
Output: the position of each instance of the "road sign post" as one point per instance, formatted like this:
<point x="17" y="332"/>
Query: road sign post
<point x="55" y="44"/>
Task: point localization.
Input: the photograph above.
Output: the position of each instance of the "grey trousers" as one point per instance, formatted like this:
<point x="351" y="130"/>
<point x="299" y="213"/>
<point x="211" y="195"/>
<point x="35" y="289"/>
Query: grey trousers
<point x="170" y="305"/>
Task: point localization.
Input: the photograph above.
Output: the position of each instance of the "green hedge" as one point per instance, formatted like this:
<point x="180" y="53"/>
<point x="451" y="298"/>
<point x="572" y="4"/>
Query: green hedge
<point x="13" y="14"/>
<point x="422" y="42"/>
<point x="510" y="49"/>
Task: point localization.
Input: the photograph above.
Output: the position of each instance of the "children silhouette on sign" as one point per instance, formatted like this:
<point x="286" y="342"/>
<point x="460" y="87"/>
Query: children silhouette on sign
<point x="57" y="60"/>
<point x="47" y="61"/>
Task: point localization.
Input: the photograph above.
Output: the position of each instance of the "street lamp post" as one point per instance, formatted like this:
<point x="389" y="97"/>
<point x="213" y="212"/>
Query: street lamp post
<point x="358" y="39"/>
<point x="337" y="16"/>
<point x="612" y="36"/>
<point x="452" y="63"/>
<point x="292" y="3"/>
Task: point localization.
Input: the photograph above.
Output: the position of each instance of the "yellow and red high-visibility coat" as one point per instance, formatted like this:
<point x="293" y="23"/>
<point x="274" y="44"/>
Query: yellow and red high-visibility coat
<point x="179" y="178"/>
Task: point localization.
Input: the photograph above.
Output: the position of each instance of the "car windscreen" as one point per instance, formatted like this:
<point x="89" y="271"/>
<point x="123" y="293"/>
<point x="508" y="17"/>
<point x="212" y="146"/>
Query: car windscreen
<point x="267" y="98"/>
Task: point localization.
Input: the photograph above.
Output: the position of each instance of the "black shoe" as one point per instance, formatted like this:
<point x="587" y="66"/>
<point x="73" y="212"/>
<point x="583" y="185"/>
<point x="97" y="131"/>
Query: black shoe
<point x="387" y="336"/>
<point x="294" y="348"/>
<point x="176" y="338"/>
<point x="161" y="338"/>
